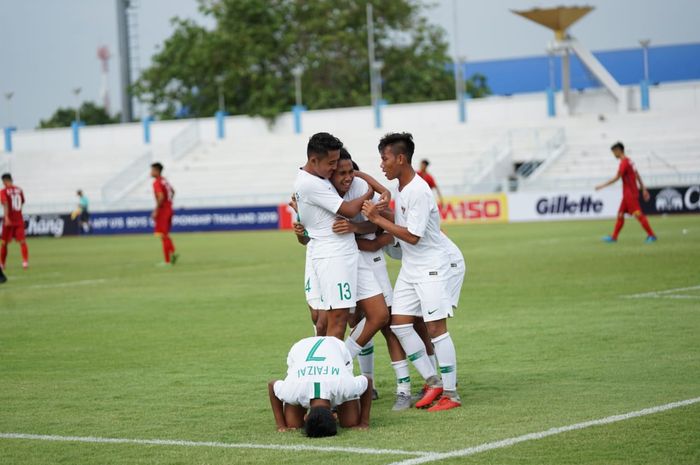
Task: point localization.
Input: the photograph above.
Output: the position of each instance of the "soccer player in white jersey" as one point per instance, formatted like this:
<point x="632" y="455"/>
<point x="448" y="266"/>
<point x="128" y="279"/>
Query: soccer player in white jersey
<point x="320" y="378"/>
<point x="333" y="256"/>
<point x="421" y="289"/>
<point x="372" y="313"/>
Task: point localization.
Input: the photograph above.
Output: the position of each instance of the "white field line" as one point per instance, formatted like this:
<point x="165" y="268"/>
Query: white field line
<point x="543" y="434"/>
<point x="85" y="282"/>
<point x="223" y="445"/>
<point x="667" y="294"/>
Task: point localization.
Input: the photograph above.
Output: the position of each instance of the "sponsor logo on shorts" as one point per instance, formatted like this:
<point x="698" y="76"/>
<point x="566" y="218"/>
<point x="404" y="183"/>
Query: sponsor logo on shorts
<point x="433" y="273"/>
<point x="377" y="259"/>
<point x="453" y="265"/>
<point x="430" y="313"/>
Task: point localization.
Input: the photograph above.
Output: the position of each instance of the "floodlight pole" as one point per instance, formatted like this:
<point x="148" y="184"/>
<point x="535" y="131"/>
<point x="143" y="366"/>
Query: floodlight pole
<point x="374" y="97"/>
<point x="644" y="85"/>
<point x="76" y="92"/>
<point x="298" y="108"/>
<point x="8" y="98"/>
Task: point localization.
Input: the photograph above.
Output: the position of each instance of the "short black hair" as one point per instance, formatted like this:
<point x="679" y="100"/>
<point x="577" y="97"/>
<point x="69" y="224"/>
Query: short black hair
<point x="320" y="423"/>
<point x="345" y="155"/>
<point x="6" y="177"/>
<point x="618" y="145"/>
<point x="399" y="142"/>
<point x="321" y="143"/>
<point x="425" y="161"/>
<point x="158" y="166"/>
<point x="80" y="192"/>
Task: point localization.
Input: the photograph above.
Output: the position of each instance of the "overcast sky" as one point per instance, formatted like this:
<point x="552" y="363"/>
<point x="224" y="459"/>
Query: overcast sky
<point x="48" y="47"/>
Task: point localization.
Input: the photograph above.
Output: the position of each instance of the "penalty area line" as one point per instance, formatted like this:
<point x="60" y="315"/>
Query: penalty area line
<point x="667" y="294"/>
<point x="434" y="457"/>
<point x="221" y="445"/>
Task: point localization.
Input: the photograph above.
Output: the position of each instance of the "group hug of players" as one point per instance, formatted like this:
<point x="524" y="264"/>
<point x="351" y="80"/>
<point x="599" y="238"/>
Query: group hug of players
<point x="344" y="220"/>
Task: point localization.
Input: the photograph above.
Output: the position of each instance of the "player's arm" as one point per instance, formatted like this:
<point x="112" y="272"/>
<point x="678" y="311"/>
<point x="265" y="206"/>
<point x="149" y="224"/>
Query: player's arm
<point x="374" y="245"/>
<point x="400" y="232"/>
<point x="6" y="210"/>
<point x="608" y="183"/>
<point x="160" y="198"/>
<point x="437" y="189"/>
<point x="384" y="193"/>
<point x="277" y="407"/>
<point x="354" y="207"/>
<point x="365" y="405"/>
<point x="345" y="226"/>
<point x="645" y="192"/>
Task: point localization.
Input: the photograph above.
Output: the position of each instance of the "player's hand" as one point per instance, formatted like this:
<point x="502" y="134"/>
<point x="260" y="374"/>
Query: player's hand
<point x="384" y="200"/>
<point x="597" y="188"/>
<point x="343" y="226"/>
<point x="299" y="229"/>
<point x="645" y="195"/>
<point x="370" y="211"/>
<point x="293" y="204"/>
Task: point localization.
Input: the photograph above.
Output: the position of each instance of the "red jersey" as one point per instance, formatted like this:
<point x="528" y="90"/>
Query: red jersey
<point x="13" y="197"/>
<point x="427" y="178"/>
<point x="628" y="173"/>
<point x="162" y="186"/>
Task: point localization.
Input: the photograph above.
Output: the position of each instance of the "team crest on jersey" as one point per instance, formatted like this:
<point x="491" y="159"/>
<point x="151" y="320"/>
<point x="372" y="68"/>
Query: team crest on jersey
<point x="403" y="210"/>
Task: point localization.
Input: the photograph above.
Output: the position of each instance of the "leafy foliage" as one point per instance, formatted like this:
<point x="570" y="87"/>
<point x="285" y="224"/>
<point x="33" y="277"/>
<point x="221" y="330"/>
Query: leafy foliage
<point x="255" y="44"/>
<point x="90" y="113"/>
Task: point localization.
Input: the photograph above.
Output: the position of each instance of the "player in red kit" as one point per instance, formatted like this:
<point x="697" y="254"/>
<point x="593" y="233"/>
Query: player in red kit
<point x="12" y="199"/>
<point x="163" y="213"/>
<point x="428" y="178"/>
<point x="630" y="194"/>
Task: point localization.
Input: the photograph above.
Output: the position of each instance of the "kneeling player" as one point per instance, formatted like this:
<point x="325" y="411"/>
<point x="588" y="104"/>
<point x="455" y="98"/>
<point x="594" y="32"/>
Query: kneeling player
<point x="319" y="378"/>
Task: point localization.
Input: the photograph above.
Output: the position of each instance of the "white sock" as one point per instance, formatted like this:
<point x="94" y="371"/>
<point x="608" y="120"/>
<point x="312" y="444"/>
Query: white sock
<point x="415" y="349"/>
<point x="315" y="332"/>
<point x="433" y="360"/>
<point x="353" y="347"/>
<point x="366" y="359"/>
<point x="403" y="378"/>
<point x="447" y="356"/>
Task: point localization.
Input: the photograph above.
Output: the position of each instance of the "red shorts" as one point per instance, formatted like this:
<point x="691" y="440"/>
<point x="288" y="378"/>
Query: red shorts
<point x="629" y="205"/>
<point x="163" y="221"/>
<point x="13" y="232"/>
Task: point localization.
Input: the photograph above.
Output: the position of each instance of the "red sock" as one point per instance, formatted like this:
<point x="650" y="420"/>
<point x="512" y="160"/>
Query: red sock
<point x="25" y="251"/>
<point x="166" y="248"/>
<point x="618" y="226"/>
<point x="171" y="246"/>
<point x="645" y="224"/>
<point x="3" y="253"/>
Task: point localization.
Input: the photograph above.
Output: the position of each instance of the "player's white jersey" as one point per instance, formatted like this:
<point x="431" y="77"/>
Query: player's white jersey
<point x="319" y="368"/>
<point x="358" y="188"/>
<point x="452" y="250"/>
<point x="318" y="203"/>
<point x="416" y="210"/>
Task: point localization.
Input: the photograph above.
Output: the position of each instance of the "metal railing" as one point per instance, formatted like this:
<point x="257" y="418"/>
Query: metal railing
<point x="127" y="179"/>
<point x="588" y="183"/>
<point x="185" y="141"/>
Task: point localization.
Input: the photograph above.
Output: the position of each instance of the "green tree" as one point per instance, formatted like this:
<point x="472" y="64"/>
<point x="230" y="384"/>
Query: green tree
<point x="477" y="87"/>
<point x="90" y="113"/>
<point x="255" y="44"/>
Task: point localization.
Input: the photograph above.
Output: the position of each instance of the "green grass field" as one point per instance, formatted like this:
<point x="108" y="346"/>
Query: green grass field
<point x="95" y="340"/>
